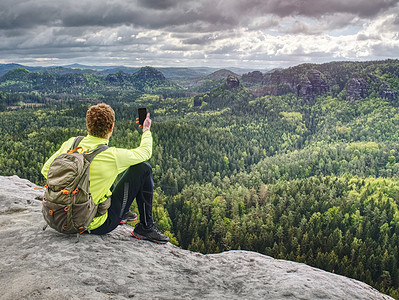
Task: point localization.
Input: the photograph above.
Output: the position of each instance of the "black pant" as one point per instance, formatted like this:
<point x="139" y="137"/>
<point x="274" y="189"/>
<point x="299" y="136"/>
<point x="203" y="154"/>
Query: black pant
<point x="137" y="183"/>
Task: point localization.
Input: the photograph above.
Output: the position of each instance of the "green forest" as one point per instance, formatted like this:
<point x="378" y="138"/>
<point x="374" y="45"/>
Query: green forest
<point x="300" y="164"/>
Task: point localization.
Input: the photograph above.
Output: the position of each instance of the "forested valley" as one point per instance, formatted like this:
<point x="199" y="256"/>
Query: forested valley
<point x="300" y="164"/>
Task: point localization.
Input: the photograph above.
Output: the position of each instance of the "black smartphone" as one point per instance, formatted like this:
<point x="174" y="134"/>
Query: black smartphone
<point x="142" y="115"/>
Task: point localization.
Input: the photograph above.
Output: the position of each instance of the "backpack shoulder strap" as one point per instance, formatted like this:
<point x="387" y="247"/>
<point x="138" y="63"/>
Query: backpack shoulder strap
<point x="91" y="154"/>
<point x="76" y="142"/>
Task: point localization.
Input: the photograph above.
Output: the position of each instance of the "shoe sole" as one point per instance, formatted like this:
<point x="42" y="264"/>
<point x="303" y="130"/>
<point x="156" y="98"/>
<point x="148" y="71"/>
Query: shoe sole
<point x="125" y="221"/>
<point x="142" y="237"/>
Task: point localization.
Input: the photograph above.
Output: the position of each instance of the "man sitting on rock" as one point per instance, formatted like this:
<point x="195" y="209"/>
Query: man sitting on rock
<point x="136" y="181"/>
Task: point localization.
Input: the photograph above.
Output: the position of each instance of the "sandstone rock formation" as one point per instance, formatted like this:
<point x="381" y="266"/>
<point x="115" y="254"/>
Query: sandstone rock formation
<point x="357" y="88"/>
<point x="390" y="95"/>
<point x="304" y="88"/>
<point x="358" y="79"/>
<point x="38" y="264"/>
<point x="232" y="82"/>
<point x="387" y="93"/>
<point x="311" y="85"/>
<point x="318" y="82"/>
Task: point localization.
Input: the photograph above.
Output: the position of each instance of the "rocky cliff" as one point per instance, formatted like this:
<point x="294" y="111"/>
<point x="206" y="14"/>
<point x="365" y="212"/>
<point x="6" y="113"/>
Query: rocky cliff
<point x="232" y="82"/>
<point x="38" y="264"/>
<point x="356" y="79"/>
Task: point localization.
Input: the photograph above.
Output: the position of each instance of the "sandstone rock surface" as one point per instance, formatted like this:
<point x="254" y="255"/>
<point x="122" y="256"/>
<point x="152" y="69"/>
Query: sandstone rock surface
<point x="38" y="264"/>
<point x="232" y="82"/>
<point x="357" y="88"/>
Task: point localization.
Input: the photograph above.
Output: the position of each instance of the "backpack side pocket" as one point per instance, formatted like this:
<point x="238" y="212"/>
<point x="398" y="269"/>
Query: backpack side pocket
<point x="55" y="215"/>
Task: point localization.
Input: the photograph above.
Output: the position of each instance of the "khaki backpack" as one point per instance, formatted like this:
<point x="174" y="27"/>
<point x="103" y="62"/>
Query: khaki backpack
<point x="68" y="206"/>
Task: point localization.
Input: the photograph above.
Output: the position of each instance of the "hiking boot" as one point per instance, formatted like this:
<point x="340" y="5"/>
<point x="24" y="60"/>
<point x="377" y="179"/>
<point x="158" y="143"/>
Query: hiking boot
<point x="151" y="234"/>
<point x="128" y="217"/>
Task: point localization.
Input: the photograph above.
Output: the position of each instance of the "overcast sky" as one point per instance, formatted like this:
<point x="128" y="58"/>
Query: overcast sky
<point x="258" y="34"/>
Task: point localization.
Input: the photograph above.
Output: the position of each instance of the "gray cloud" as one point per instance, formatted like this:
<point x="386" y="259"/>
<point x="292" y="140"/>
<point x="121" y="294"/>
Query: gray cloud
<point x="199" y="40"/>
<point x="205" y="39"/>
<point x="383" y="50"/>
<point x="366" y="37"/>
<point x="391" y="24"/>
<point x="25" y="14"/>
<point x="226" y="49"/>
<point x="159" y="4"/>
<point x="264" y="23"/>
<point x="167" y="13"/>
<point x="339" y="21"/>
<point x="316" y="8"/>
<point x="302" y="28"/>
<point x="173" y="31"/>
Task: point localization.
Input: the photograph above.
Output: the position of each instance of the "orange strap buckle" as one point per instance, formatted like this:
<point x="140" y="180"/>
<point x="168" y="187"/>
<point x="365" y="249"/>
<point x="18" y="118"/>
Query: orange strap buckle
<point x="75" y="191"/>
<point x="66" y="208"/>
<point x="50" y="212"/>
<point x="74" y="150"/>
<point x="42" y="187"/>
<point x="65" y="192"/>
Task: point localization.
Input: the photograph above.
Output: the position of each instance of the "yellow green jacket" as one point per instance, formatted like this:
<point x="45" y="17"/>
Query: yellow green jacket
<point x="106" y="166"/>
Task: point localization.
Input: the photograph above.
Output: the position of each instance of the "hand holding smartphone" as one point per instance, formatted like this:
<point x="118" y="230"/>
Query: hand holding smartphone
<point x="143" y="120"/>
<point x="142" y="115"/>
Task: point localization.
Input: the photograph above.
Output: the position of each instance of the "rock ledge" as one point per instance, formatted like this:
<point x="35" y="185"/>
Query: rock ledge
<point x="48" y="265"/>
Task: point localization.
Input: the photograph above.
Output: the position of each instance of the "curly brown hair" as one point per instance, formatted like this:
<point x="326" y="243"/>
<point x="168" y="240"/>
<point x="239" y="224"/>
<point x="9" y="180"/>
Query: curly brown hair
<point x="99" y="119"/>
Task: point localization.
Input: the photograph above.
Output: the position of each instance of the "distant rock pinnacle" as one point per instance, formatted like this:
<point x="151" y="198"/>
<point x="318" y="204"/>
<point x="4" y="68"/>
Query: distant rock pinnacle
<point x="232" y="82"/>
